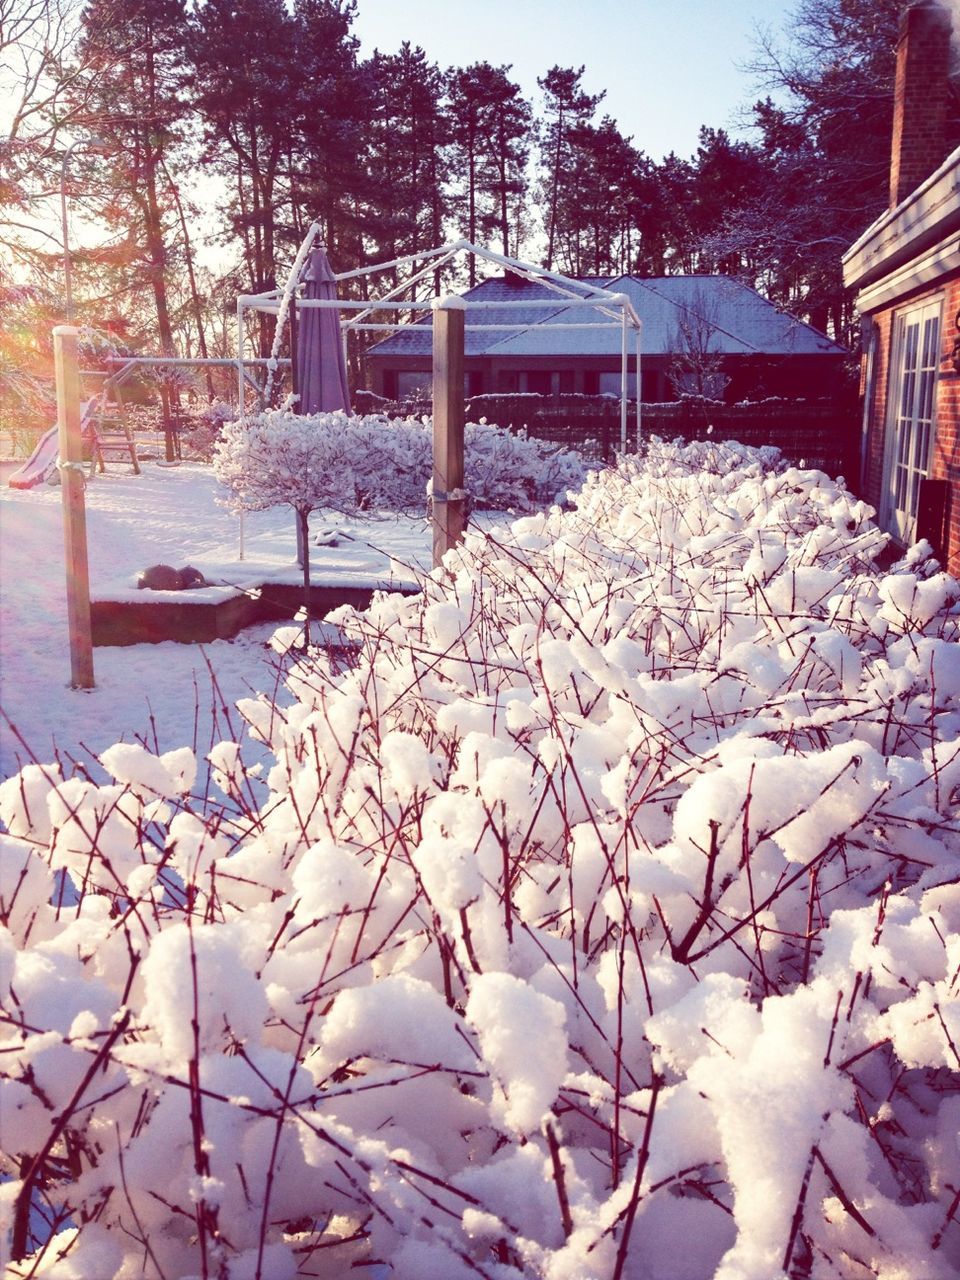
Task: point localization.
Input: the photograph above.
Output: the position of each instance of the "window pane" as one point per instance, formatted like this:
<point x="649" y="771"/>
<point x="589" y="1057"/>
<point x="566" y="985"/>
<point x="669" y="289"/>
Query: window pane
<point x="413" y="383"/>
<point x="610" y="384"/>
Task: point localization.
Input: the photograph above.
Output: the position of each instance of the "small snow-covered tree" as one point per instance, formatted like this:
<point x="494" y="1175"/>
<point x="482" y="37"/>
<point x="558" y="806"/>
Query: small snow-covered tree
<point x="359" y="463"/>
<point x="280" y="458"/>
<point x="697" y="366"/>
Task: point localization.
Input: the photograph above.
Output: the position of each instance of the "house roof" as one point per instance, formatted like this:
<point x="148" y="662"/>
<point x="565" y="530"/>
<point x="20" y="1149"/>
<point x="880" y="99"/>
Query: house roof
<point x="739" y="321"/>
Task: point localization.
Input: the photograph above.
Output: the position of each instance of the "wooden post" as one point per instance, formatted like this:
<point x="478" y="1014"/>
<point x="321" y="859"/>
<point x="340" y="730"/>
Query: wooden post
<point x="74" y="511"/>
<point x="449" y="499"/>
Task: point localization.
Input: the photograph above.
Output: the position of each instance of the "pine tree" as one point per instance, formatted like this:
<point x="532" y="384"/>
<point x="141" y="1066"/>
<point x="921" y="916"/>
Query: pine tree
<point x="727" y="176"/>
<point x="567" y="106"/>
<point x="596" y="208"/>
<point x="513" y="133"/>
<point x="330" y="121"/>
<point x="490" y="130"/>
<point x="131" y="90"/>
<point x="407" y="157"/>
<point x="245" y="77"/>
<point x="667" y="232"/>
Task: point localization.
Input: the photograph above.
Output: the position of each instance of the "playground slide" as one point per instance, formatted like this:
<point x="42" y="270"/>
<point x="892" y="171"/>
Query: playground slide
<point x="39" y="466"/>
<point x="40" y="463"/>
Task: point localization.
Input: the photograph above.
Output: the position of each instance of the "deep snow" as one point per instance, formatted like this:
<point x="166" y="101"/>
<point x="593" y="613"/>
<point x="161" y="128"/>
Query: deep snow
<point x="157" y="693"/>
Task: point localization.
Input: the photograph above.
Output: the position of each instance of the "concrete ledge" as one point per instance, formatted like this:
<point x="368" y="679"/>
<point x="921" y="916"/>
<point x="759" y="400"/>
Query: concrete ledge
<point x="199" y="621"/>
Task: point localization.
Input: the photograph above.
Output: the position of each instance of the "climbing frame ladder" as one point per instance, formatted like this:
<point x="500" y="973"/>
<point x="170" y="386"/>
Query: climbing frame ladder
<point x="111" y="437"/>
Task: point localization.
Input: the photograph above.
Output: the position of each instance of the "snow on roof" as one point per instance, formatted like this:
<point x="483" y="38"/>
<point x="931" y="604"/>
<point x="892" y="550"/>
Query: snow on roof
<point x="740" y="321"/>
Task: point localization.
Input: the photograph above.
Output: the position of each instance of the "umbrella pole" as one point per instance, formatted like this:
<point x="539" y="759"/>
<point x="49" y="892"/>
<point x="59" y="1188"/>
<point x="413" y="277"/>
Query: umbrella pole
<point x="294" y="369"/>
<point x="302" y="553"/>
<point x="303" y="525"/>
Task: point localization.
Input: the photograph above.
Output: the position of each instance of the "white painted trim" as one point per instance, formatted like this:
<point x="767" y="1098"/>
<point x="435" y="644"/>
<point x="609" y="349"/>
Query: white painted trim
<point x="933" y="208"/>
<point x="934" y="265"/>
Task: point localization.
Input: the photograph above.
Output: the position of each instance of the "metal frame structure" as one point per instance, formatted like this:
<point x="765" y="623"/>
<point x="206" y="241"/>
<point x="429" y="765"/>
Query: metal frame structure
<point x="126" y="365"/>
<point x="617" y="308"/>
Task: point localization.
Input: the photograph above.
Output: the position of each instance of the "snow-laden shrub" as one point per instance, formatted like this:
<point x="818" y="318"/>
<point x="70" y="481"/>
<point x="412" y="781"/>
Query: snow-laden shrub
<point x="663" y="457"/>
<point x="356" y="463"/>
<point x="509" y="470"/>
<point x="601" y="920"/>
<point x="202" y="430"/>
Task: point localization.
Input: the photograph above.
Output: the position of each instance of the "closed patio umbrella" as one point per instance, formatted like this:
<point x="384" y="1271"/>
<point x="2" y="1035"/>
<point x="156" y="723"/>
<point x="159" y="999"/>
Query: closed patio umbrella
<point x="321" y="369"/>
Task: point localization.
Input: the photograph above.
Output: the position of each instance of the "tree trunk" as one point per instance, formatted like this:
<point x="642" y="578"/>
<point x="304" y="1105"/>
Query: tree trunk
<point x="153" y="221"/>
<point x="303" y="523"/>
<point x="472" y="205"/>
<point x="192" y="277"/>
<point x="555" y="193"/>
<point x="504" y="201"/>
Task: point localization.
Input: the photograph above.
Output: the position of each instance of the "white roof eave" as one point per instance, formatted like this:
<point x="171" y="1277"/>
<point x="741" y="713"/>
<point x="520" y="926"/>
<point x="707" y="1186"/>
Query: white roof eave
<point x="926" y="213"/>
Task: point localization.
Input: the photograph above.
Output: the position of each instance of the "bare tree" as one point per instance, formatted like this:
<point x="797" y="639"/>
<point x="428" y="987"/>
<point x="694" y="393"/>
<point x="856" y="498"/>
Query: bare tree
<point x="697" y="366"/>
<point x="39" y="101"/>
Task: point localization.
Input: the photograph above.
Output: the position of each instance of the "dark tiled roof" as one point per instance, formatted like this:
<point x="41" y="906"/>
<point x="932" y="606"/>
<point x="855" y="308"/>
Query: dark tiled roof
<point x="739" y="321"/>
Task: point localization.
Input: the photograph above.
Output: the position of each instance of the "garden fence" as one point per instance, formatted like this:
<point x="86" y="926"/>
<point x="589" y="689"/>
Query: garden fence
<point x="821" y="434"/>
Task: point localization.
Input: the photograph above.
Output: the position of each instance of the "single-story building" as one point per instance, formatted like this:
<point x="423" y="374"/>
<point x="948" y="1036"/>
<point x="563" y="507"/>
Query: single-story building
<point x="906" y="271"/>
<point x="708" y="335"/>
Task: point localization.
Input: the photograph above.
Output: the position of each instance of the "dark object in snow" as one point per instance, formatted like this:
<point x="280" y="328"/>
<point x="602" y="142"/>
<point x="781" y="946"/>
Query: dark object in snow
<point x="163" y="577"/>
<point x="191" y="577"/>
<point x="159" y="577"/>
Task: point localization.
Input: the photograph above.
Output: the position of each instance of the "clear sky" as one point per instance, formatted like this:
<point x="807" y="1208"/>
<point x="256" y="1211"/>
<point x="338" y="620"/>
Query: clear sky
<point x="667" y="66"/>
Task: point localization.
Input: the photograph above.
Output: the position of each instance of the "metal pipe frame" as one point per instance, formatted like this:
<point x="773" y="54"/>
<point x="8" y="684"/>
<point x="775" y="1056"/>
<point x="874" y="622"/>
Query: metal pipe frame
<point x="617" y="306"/>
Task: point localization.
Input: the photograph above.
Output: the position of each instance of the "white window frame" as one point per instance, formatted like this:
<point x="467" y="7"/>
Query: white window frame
<point x="911" y="419"/>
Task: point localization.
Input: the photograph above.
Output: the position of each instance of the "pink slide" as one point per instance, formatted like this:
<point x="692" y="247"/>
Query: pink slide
<point x="42" y="461"/>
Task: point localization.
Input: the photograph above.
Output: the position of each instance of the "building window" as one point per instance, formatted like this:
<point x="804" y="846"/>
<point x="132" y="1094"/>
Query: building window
<point x="610" y="385"/>
<point x="910" y="416"/>
<point x="538" y="382"/>
<point x="411" y="384"/>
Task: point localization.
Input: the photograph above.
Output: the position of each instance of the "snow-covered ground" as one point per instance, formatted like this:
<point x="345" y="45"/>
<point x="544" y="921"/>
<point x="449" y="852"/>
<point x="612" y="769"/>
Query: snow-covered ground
<point x="162" y="694"/>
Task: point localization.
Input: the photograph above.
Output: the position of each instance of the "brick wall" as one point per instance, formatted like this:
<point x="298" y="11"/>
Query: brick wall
<point x="920" y="97"/>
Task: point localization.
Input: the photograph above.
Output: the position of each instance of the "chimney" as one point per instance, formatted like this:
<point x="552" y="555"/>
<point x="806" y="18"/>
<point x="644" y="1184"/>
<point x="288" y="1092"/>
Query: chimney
<point x="920" y="97"/>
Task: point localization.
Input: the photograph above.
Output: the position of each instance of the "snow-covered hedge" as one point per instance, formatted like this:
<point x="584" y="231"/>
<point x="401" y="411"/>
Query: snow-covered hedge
<point x="601" y="920"/>
<point x="370" y="461"/>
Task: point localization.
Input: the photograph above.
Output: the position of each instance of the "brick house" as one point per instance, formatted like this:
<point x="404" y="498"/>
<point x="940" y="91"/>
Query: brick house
<point x="709" y="335"/>
<point x="906" y="271"/>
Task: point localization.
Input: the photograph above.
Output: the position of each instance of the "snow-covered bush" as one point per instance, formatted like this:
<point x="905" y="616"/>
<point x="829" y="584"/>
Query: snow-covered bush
<point x="202" y="430"/>
<point x="507" y="470"/>
<point x="602" y="919"/>
<point x="360" y="462"/>
<point x="679" y="456"/>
